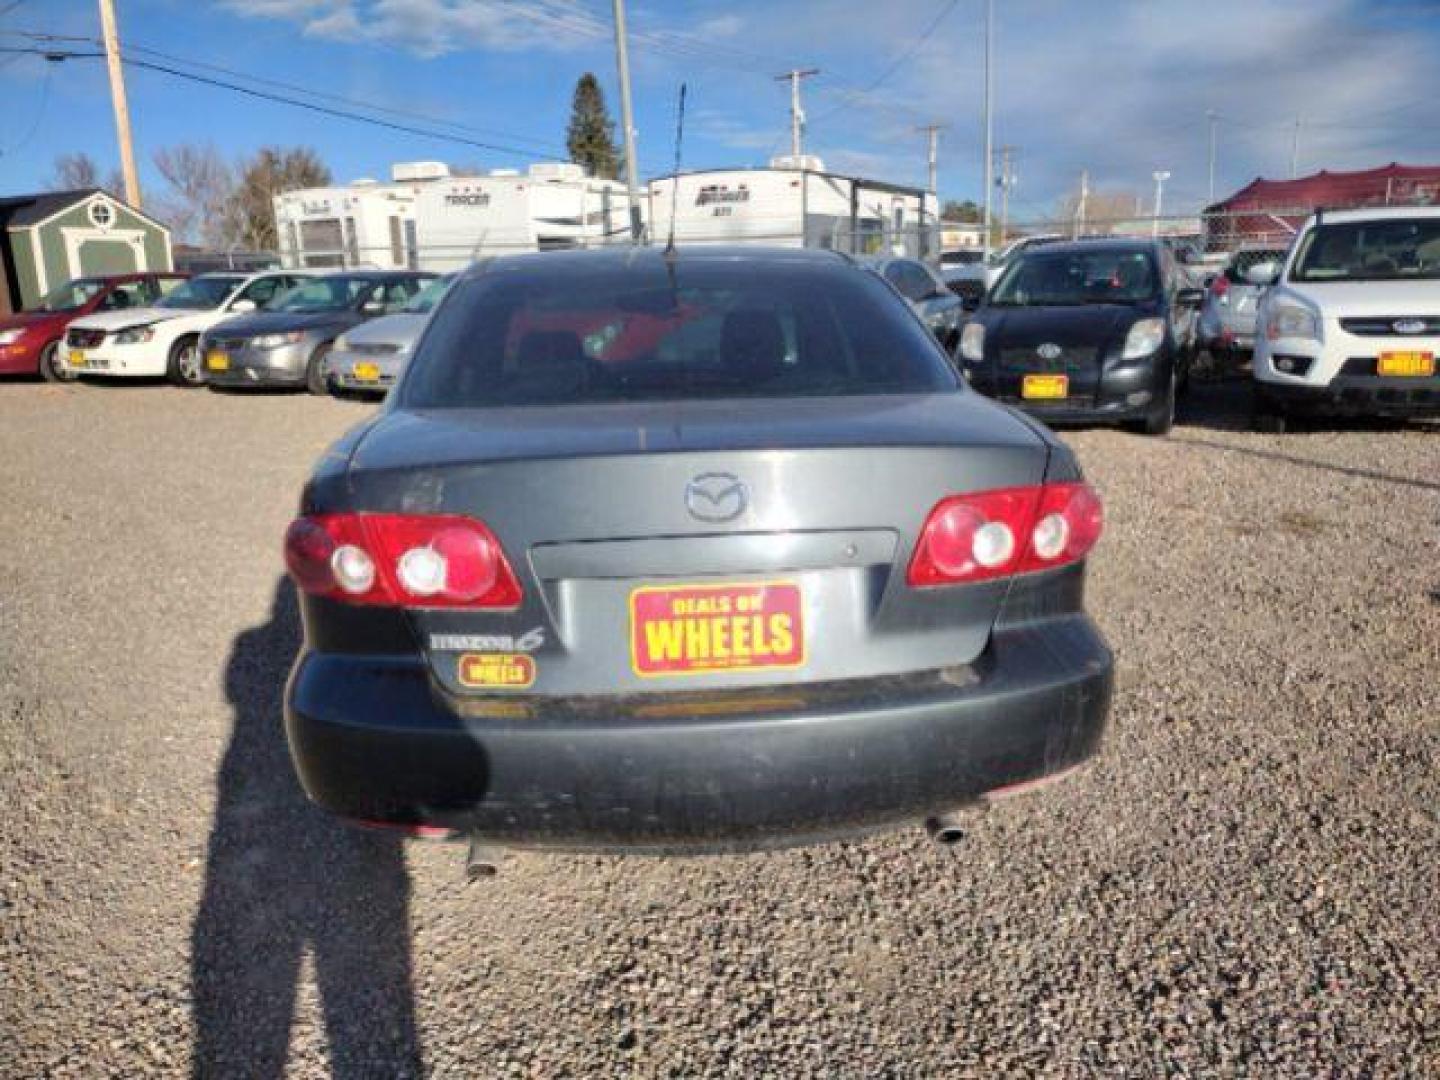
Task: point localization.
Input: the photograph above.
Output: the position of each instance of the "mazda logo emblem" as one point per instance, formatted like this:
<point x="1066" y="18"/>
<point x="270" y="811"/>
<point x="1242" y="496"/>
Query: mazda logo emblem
<point x="1048" y="351"/>
<point x="1408" y="326"/>
<point x="716" y="497"/>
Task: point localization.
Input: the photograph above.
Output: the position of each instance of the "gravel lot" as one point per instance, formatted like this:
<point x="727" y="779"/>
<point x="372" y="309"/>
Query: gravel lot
<point x="1246" y="882"/>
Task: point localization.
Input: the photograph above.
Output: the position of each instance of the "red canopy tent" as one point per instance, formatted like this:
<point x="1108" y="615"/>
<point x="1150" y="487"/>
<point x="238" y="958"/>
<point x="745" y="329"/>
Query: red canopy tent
<point x="1270" y="211"/>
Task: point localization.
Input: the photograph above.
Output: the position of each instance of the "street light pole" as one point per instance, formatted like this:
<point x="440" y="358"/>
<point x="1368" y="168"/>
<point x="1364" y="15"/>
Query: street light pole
<point x="1160" y="178"/>
<point x="989" y="121"/>
<point x="1212" y="117"/>
<point x="627" y="118"/>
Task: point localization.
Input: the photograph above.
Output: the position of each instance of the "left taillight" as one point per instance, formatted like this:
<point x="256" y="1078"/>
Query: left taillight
<point x="991" y="534"/>
<point x="401" y="560"/>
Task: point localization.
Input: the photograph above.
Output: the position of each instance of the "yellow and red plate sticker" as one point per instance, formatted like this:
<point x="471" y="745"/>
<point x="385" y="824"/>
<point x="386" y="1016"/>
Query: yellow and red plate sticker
<point x="695" y="629"/>
<point x="496" y="671"/>
<point x="1045" y="387"/>
<point x="1410" y="364"/>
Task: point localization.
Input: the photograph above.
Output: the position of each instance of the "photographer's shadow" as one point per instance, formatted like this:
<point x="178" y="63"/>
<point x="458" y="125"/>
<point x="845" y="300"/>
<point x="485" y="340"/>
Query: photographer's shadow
<point x="282" y="878"/>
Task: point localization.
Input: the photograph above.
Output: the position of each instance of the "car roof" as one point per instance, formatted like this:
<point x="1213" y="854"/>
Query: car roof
<point x="627" y="256"/>
<point x="1099" y="243"/>
<point x="1377" y="213"/>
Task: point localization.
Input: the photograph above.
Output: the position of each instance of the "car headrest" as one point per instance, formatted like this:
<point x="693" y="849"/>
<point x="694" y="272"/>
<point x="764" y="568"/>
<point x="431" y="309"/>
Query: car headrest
<point x="753" y="343"/>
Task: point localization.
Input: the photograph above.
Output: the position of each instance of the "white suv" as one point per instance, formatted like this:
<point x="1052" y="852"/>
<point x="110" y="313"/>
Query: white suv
<point x="1351" y="324"/>
<point x="163" y="339"/>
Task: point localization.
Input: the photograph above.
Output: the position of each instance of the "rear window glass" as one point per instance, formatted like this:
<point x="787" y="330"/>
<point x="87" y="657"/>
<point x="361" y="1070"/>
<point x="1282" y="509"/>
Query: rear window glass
<point x="715" y="329"/>
<point x="1241" y="262"/>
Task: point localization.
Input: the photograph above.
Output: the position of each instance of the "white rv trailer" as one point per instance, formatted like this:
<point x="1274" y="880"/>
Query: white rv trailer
<point x="549" y="206"/>
<point x="363" y="224"/>
<point x="794" y="203"/>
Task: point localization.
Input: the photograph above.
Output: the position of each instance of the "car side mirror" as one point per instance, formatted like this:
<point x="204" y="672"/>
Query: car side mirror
<point x="1264" y="273"/>
<point x="243" y="305"/>
<point x="1190" y="297"/>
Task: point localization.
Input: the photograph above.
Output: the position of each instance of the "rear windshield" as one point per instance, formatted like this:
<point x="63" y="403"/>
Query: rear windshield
<point x="1241" y="263"/>
<point x="1041" y="278"/>
<point x="716" y="329"/>
<point x="1370" y="251"/>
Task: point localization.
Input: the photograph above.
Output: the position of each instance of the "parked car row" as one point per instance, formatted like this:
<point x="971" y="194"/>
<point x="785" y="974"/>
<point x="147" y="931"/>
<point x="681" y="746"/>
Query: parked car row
<point x="1345" y="321"/>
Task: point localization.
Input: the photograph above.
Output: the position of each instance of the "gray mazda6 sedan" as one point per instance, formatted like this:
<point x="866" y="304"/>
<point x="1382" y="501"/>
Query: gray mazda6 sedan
<point x="691" y="550"/>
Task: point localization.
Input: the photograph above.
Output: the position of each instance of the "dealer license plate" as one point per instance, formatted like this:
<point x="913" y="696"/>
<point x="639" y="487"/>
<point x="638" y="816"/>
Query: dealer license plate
<point x="1420" y="364"/>
<point x="77" y="358"/>
<point x="366" y="371"/>
<point x="216" y="360"/>
<point x="695" y="629"/>
<point x="1045" y="387"/>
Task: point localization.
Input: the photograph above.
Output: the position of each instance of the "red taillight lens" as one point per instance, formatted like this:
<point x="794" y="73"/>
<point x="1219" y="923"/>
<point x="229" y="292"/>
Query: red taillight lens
<point x="990" y="534"/>
<point x="401" y="560"/>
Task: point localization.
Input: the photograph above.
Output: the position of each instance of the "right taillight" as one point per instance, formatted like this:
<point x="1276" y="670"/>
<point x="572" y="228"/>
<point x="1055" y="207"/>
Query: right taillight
<point x="990" y="534"/>
<point x="401" y="560"/>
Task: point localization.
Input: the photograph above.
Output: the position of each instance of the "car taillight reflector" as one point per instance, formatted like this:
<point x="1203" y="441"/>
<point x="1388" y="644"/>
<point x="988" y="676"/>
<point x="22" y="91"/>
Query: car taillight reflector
<point x="400" y="560"/>
<point x="990" y="534"/>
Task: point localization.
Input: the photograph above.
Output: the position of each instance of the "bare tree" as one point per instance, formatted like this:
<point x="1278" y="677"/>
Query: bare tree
<point x="199" y="187"/>
<point x="272" y="171"/>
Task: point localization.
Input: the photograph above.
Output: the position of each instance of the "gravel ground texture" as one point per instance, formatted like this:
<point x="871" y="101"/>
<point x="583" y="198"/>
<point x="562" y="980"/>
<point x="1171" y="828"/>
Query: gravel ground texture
<point x="1246" y="882"/>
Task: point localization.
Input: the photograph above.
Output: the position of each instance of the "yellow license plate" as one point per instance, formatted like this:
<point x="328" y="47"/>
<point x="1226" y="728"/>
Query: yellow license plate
<point x="1406" y="363"/>
<point x="1045" y="387"/>
<point x="216" y="360"/>
<point x="366" y="371"/>
<point x="77" y="358"/>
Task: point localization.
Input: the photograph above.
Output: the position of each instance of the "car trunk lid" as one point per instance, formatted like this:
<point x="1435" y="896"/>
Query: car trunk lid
<point x="713" y="544"/>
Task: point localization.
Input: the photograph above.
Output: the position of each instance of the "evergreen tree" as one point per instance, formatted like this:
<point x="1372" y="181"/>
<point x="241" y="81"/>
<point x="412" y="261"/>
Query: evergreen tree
<point x="591" y="135"/>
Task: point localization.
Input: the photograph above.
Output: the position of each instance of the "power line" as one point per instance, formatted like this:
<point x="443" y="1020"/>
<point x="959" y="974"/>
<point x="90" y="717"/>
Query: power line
<point x="148" y="65"/>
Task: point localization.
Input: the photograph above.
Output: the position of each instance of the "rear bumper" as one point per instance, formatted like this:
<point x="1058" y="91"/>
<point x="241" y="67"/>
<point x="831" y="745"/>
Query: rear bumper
<point x="375" y="739"/>
<point x="1353" y="396"/>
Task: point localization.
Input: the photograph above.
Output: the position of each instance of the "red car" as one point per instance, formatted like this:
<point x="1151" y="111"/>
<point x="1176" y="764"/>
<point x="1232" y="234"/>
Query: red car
<point x="30" y="340"/>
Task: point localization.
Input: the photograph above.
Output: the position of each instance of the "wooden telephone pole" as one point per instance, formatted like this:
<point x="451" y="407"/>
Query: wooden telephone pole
<point x="122" y="108"/>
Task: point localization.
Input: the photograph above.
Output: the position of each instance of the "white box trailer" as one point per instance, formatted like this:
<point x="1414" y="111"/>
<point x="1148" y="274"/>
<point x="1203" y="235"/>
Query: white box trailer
<point x="794" y="203"/>
<point x="549" y="206"/>
<point x="364" y="224"/>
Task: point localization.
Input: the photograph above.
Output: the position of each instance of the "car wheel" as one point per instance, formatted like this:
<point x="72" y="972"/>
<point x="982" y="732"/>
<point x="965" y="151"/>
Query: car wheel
<point x="183" y="370"/>
<point x="315" y="380"/>
<point x="51" y="366"/>
<point x="1161" y="417"/>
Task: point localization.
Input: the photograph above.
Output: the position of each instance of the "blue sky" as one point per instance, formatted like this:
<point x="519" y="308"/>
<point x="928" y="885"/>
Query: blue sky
<point x="1118" y="87"/>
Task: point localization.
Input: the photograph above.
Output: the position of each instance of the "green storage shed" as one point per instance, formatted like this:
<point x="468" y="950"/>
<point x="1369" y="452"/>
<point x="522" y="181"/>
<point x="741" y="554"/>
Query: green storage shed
<point x="49" y="238"/>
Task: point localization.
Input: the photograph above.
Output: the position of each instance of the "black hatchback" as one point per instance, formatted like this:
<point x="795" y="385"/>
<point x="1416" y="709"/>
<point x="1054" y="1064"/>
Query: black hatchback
<point x="1094" y="330"/>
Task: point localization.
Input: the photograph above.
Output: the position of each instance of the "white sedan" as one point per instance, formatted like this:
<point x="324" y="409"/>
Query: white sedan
<point x="163" y="339"/>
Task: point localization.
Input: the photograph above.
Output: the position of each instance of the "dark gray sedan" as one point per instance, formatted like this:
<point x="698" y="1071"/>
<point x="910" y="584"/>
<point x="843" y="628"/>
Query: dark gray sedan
<point x="286" y="343"/>
<point x="694" y="550"/>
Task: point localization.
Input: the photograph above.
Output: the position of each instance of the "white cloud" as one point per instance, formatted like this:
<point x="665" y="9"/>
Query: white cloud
<point x="435" y="27"/>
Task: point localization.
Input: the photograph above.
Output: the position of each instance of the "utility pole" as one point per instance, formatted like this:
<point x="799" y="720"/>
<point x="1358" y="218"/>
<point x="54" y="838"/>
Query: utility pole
<point x="989" y="120"/>
<point x="797" y="114"/>
<point x="933" y="132"/>
<point x="627" y="118"/>
<point x="1007" y="180"/>
<point x="1212" y="117"/>
<point x="1083" y="204"/>
<point x="117" y="97"/>
<point x="1160" y="178"/>
<point x="1295" y="150"/>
